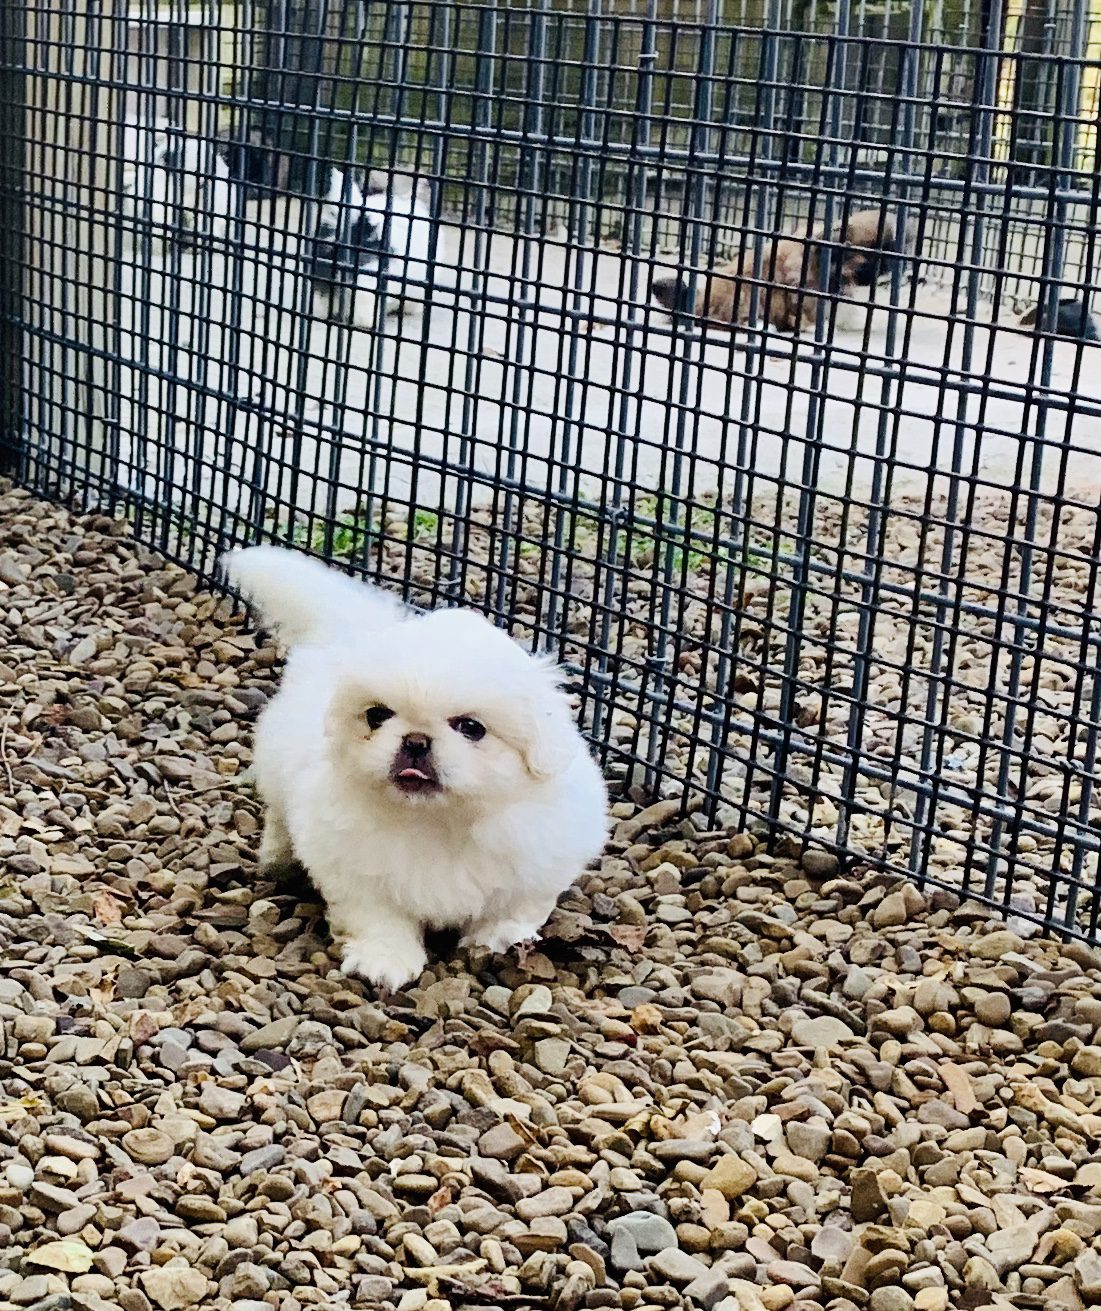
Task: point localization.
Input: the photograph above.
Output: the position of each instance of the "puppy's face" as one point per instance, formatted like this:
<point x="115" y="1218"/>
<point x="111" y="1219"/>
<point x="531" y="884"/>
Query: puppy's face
<point x="355" y="237"/>
<point x="338" y="256"/>
<point x="870" y="247"/>
<point x="445" y="711"/>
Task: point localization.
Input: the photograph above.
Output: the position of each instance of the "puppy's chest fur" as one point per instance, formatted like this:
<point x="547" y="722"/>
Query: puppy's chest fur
<point x="442" y="874"/>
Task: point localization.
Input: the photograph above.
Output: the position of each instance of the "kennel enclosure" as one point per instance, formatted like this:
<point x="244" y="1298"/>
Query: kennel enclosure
<point x="841" y="586"/>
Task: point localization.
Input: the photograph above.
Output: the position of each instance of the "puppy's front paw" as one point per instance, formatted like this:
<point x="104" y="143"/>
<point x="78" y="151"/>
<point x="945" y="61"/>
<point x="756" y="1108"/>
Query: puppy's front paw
<point x="389" y="965"/>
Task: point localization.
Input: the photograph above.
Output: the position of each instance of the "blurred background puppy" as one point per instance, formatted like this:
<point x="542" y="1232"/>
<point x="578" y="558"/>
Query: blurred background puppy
<point x="862" y="249"/>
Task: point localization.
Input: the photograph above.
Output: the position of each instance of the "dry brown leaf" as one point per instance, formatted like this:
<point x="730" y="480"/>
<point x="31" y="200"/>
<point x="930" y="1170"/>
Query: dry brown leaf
<point x="142" y="1027"/>
<point x="189" y="1011"/>
<point x="646" y="1018"/>
<point x="107" y="908"/>
<point x="102" y="994"/>
<point x="958" y="1083"/>
<point x="432" y="1274"/>
<point x="631" y="936"/>
<point x="1039" y="1181"/>
<point x="67" y="1254"/>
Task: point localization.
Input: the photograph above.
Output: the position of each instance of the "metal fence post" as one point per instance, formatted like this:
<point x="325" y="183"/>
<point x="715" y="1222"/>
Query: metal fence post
<point x="68" y="295"/>
<point x="13" y="180"/>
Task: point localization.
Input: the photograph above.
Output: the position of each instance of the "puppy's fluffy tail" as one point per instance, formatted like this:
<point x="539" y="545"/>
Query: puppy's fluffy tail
<point x="304" y="602"/>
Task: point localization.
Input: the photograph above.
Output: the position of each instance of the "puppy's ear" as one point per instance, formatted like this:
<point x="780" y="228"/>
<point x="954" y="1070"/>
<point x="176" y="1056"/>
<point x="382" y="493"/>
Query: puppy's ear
<point x="548" y="736"/>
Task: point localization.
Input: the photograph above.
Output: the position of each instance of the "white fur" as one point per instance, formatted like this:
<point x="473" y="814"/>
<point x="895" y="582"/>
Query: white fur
<point x="516" y="818"/>
<point x="304" y="600"/>
<point x="180" y="183"/>
<point x="851" y="313"/>
<point x="393" y="211"/>
<point x="342" y="189"/>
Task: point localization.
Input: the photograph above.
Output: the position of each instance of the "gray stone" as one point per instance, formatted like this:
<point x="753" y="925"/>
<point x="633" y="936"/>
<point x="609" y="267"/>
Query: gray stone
<point x="371" y="1290"/>
<point x="271" y="1037"/>
<point x="821" y="1031"/>
<point x="537" y="1001"/>
<point x="684" y="1149"/>
<point x="52" y="1198"/>
<point x="552" y="1054"/>
<point x="649" y="1232"/>
<point x="1087" y="1276"/>
<point x="708" y="1289"/>
<point x="19" y="1176"/>
<point x="810" y="1141"/>
<point x="262" y="1159"/>
<point x="501" y="1143"/>
<point x="552" y="1201"/>
<point x="677" y="1266"/>
<point x="30" y="1290"/>
<point x="890" y="1299"/>
<point x="221" y="1103"/>
<point x="832" y="1244"/>
<point x="891" y="911"/>
<point x="248" y="1280"/>
<point x="624" y="1251"/>
<point x="868" y="1201"/>
<point x="140" y="1235"/>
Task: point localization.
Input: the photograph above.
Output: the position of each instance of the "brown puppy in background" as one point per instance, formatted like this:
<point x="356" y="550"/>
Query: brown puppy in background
<point x="862" y="249"/>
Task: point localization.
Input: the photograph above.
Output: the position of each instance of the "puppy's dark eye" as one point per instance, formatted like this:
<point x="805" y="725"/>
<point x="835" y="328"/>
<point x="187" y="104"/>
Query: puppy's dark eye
<point x="471" y="729"/>
<point x="377" y="716"/>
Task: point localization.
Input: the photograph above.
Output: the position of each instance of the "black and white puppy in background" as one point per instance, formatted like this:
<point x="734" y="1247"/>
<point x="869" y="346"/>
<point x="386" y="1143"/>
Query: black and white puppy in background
<point x="179" y="183"/>
<point x="188" y="186"/>
<point x="374" y="236"/>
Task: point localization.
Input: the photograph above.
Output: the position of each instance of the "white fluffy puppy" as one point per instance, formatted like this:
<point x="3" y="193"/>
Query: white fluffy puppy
<point x="425" y="770"/>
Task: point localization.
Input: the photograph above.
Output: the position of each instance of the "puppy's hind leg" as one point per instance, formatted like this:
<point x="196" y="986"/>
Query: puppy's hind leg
<point x="276" y="848"/>
<point x="519" y="924"/>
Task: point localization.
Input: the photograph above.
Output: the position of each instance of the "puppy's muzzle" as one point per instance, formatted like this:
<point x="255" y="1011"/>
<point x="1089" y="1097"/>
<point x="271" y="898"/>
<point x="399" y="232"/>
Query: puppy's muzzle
<point x="341" y="261"/>
<point x="333" y="262"/>
<point x="674" y="295"/>
<point x="414" y="771"/>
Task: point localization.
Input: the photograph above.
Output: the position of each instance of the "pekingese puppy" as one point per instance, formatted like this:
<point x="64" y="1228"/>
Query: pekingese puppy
<point x="374" y="237"/>
<point x="424" y="769"/>
<point x="862" y="248"/>
<point x="179" y="182"/>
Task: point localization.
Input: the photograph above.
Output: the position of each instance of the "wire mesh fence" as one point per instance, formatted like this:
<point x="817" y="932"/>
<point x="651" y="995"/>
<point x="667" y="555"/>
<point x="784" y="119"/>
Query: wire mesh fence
<point x="741" y="351"/>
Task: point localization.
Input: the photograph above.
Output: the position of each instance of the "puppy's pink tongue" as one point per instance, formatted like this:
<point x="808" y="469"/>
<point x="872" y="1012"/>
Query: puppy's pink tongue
<point x="415" y="773"/>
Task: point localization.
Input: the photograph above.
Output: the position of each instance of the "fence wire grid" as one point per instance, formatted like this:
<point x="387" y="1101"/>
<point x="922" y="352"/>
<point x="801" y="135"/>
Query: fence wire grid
<point x="743" y="352"/>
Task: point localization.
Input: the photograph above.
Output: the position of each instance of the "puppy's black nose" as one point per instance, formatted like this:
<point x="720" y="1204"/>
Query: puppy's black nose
<point x="416" y="745"/>
<point x="673" y="294"/>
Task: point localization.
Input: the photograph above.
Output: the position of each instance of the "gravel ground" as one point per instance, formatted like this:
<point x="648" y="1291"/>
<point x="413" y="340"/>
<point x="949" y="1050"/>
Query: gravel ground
<point x="728" y="1079"/>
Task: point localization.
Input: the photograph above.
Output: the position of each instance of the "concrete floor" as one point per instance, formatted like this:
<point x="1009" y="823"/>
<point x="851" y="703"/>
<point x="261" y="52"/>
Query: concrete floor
<point x="236" y="394"/>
